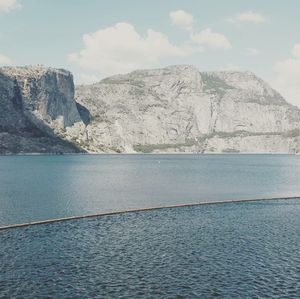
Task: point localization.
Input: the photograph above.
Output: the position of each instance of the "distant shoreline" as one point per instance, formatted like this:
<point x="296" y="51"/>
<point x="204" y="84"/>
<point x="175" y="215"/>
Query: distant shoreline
<point x="143" y="154"/>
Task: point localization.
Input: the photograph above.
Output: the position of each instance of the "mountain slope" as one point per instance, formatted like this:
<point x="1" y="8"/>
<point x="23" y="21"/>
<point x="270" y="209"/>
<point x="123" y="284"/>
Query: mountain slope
<point x="179" y="109"/>
<point x="174" y="109"/>
<point x="36" y="103"/>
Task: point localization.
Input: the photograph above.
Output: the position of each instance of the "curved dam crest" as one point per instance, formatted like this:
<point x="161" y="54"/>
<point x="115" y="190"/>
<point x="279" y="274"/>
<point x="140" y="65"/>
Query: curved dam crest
<point x="38" y="188"/>
<point x="49" y="221"/>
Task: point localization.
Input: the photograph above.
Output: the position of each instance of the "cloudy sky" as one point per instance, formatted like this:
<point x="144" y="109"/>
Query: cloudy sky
<point x="98" y="38"/>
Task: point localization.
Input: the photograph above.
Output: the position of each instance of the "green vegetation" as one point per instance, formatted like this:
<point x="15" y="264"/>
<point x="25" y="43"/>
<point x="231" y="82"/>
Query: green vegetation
<point x="137" y="91"/>
<point x="242" y="133"/>
<point x="215" y="84"/>
<point x="137" y="83"/>
<point x="98" y="118"/>
<point x="266" y="101"/>
<point x="115" y="149"/>
<point x="292" y="133"/>
<point x="189" y="142"/>
<point x="230" y="151"/>
<point x="149" y="148"/>
<point x="85" y="145"/>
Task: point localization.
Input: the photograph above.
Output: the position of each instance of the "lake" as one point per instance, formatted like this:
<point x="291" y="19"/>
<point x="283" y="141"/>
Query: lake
<point x="231" y="250"/>
<point x="41" y="187"/>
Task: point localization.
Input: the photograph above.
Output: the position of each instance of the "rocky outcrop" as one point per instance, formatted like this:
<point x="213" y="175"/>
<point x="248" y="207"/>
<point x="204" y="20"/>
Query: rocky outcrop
<point x="47" y="96"/>
<point x="36" y="104"/>
<point x="174" y="109"/>
<point x="179" y="109"/>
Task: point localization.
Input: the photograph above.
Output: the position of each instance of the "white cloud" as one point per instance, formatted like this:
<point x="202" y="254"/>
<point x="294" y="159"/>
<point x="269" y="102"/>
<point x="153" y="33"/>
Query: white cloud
<point x="296" y="51"/>
<point x="9" y="5"/>
<point x="250" y="17"/>
<point x="182" y="18"/>
<point x="4" y="60"/>
<point x="211" y="39"/>
<point x="287" y="77"/>
<point x="252" y="52"/>
<point x="121" y="49"/>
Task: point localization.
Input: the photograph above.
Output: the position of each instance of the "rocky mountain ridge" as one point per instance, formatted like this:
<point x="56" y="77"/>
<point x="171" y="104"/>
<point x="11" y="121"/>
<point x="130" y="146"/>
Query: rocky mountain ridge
<point x="36" y="103"/>
<point x="179" y="109"/>
<point x="174" y="109"/>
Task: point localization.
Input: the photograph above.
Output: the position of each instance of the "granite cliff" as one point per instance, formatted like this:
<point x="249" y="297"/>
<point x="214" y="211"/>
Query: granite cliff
<point x="179" y="109"/>
<point x="36" y="104"/>
<point x="174" y="109"/>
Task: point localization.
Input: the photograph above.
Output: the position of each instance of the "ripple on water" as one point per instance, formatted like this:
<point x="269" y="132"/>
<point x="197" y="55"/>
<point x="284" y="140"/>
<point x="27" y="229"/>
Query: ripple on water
<point x="229" y="250"/>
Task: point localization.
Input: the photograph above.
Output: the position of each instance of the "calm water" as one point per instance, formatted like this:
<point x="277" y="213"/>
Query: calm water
<point x="43" y="187"/>
<point x="241" y="250"/>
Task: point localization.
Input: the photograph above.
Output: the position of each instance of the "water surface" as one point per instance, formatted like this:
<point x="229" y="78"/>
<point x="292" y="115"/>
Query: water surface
<point x="232" y="250"/>
<point x="41" y="187"/>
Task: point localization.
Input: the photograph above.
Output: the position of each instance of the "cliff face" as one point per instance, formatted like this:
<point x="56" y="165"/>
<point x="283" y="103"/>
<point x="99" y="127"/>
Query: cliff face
<point x="179" y="109"/>
<point x="175" y="109"/>
<point x="47" y="96"/>
<point x="36" y="104"/>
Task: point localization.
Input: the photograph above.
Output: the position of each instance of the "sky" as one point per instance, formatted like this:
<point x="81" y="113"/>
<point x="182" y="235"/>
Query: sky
<point x="98" y="38"/>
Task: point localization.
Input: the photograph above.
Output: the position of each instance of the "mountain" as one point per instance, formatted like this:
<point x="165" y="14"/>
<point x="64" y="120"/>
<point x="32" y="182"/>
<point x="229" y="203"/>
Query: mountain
<point x="36" y="103"/>
<point x="174" y="109"/>
<point x="179" y="109"/>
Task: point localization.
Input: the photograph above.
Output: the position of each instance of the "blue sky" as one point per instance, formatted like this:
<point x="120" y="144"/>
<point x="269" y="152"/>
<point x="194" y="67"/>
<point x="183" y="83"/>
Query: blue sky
<point x="98" y="38"/>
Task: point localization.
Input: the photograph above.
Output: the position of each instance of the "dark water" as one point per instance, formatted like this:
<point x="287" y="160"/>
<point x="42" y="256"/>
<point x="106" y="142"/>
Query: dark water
<point x="43" y="187"/>
<point x="240" y="250"/>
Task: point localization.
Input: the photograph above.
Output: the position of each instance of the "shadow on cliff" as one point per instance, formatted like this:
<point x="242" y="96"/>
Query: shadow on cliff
<point x="21" y="131"/>
<point x="84" y="113"/>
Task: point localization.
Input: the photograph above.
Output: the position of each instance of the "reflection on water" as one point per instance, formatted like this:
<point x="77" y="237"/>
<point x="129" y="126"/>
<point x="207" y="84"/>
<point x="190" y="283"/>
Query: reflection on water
<point x="42" y="187"/>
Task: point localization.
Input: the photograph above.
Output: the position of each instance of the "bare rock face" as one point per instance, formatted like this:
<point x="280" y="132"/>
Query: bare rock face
<point x="36" y="104"/>
<point x="47" y="95"/>
<point x="174" y="109"/>
<point x="179" y="109"/>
